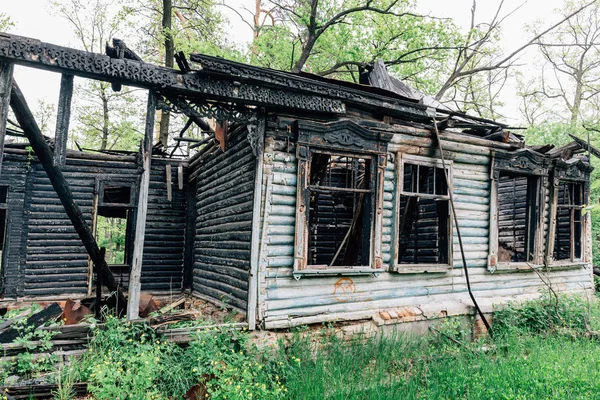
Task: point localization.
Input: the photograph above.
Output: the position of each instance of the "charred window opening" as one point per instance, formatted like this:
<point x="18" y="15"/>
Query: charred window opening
<point x="424" y="215"/>
<point x="116" y="194"/>
<point x="569" y="221"/>
<point x="3" y="194"/>
<point x="114" y="221"/>
<point x="113" y="227"/>
<point x="340" y="213"/>
<point x="518" y="213"/>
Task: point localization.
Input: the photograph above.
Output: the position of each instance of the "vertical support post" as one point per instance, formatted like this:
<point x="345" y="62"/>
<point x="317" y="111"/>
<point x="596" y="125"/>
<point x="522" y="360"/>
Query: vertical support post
<point x="6" y="72"/>
<point x="62" y="120"/>
<point x="99" y="279"/>
<point x="142" y="209"/>
<point x="169" y="182"/>
<point x="493" y="235"/>
<point x="255" y="241"/>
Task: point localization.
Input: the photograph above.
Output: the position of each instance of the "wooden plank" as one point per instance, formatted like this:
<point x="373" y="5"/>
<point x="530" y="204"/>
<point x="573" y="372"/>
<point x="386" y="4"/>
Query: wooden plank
<point x="62" y="121"/>
<point x="142" y="210"/>
<point x="6" y="72"/>
<point x="169" y="183"/>
<point x="255" y="241"/>
<point x="180" y="177"/>
<point x="45" y="156"/>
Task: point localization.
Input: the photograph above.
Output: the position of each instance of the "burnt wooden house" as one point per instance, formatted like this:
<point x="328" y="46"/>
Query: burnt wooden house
<point x="314" y="200"/>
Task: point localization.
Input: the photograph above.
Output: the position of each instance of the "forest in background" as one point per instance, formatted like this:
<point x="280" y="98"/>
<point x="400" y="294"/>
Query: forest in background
<point x="468" y="70"/>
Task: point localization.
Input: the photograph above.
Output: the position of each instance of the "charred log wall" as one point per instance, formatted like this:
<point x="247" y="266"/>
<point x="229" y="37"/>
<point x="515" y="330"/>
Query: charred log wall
<point x="51" y="259"/>
<point x="14" y="174"/>
<point x="224" y="198"/>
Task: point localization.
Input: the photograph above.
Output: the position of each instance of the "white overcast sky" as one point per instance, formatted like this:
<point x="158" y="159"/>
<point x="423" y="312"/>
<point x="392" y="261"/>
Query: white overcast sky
<point x="34" y="18"/>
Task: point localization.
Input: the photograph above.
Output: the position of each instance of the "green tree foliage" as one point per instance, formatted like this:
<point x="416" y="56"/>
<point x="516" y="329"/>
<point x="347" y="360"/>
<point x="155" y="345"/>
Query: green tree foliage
<point x="336" y="39"/>
<point x="568" y="86"/>
<point x="103" y="119"/>
<point x="5" y="22"/>
<point x="111" y="233"/>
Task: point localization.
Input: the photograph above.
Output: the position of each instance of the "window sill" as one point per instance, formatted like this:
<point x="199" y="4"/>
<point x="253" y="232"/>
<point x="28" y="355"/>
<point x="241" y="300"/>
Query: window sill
<point x="337" y="272"/>
<point x="558" y="265"/>
<point x="514" y="267"/>
<point x="422" y="268"/>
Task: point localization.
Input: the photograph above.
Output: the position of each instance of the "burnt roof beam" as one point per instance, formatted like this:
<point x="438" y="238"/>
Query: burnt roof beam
<point x="222" y="80"/>
<point x="36" y="54"/>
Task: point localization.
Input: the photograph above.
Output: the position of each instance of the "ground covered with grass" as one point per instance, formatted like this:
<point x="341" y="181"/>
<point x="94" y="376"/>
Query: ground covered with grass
<point x="544" y="349"/>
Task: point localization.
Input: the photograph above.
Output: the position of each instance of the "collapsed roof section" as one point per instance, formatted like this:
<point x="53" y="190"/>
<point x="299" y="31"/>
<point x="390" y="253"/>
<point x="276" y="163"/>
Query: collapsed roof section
<point x="231" y="91"/>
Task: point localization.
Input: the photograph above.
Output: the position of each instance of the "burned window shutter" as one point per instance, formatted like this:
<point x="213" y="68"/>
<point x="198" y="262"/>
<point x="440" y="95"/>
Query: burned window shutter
<point x="512" y="218"/>
<point x="340" y="214"/>
<point x="571" y="186"/>
<point x="520" y="181"/>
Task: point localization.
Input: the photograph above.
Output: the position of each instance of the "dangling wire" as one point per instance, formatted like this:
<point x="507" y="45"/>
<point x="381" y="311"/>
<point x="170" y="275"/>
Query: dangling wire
<point x="462" y="250"/>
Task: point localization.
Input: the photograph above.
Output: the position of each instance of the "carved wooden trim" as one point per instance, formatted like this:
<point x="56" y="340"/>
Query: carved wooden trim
<point x="522" y="162"/>
<point x="573" y="170"/>
<point x="342" y="135"/>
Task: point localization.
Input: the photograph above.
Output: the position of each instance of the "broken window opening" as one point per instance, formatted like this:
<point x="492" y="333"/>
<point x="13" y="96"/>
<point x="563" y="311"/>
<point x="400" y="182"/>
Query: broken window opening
<point x="424" y="215"/>
<point x="116" y="194"/>
<point x="113" y="227"/>
<point x="518" y="214"/>
<point x="569" y="222"/>
<point x="340" y="212"/>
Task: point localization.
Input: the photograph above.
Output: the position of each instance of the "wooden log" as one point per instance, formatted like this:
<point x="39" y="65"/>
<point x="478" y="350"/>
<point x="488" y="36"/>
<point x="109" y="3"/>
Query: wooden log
<point x="142" y="210"/>
<point x="45" y="156"/>
<point x="37" y="319"/>
<point x="41" y="391"/>
<point x="6" y="72"/>
<point x="62" y="122"/>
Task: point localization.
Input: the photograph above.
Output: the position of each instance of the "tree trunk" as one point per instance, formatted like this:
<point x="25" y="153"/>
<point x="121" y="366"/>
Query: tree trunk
<point x="105" y="120"/>
<point x="577" y="99"/>
<point x="167" y="25"/>
<point x="306" y="49"/>
<point x="256" y="26"/>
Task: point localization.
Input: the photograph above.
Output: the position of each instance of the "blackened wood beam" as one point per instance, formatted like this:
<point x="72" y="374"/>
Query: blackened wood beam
<point x="37" y="54"/>
<point x="45" y="156"/>
<point x="142" y="209"/>
<point x="62" y="121"/>
<point x="217" y="79"/>
<point x="6" y="72"/>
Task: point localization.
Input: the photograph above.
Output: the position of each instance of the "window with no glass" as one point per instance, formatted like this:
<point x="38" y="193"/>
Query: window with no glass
<point x="518" y="215"/>
<point x="424" y="228"/>
<point x="114" y="222"/>
<point x="340" y="212"/>
<point x="569" y="222"/>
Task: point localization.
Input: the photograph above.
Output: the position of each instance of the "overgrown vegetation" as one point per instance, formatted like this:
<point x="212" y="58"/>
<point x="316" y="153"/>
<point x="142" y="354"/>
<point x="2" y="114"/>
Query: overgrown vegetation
<point x="547" y="348"/>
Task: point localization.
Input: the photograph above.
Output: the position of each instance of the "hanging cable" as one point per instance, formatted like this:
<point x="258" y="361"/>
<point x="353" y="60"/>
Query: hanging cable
<point x="462" y="250"/>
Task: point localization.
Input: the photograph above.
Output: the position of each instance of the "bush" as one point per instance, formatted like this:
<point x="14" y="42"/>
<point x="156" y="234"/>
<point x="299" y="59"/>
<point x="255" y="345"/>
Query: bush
<point x="549" y="313"/>
<point x="129" y="361"/>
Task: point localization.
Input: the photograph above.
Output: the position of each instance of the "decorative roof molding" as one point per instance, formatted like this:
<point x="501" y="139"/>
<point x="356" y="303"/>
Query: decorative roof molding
<point x="575" y="169"/>
<point x="524" y="161"/>
<point x="344" y="135"/>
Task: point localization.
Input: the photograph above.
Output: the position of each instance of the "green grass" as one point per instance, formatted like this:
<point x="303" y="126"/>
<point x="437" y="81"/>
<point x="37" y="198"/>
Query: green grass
<point x="540" y="350"/>
<point x="542" y="367"/>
